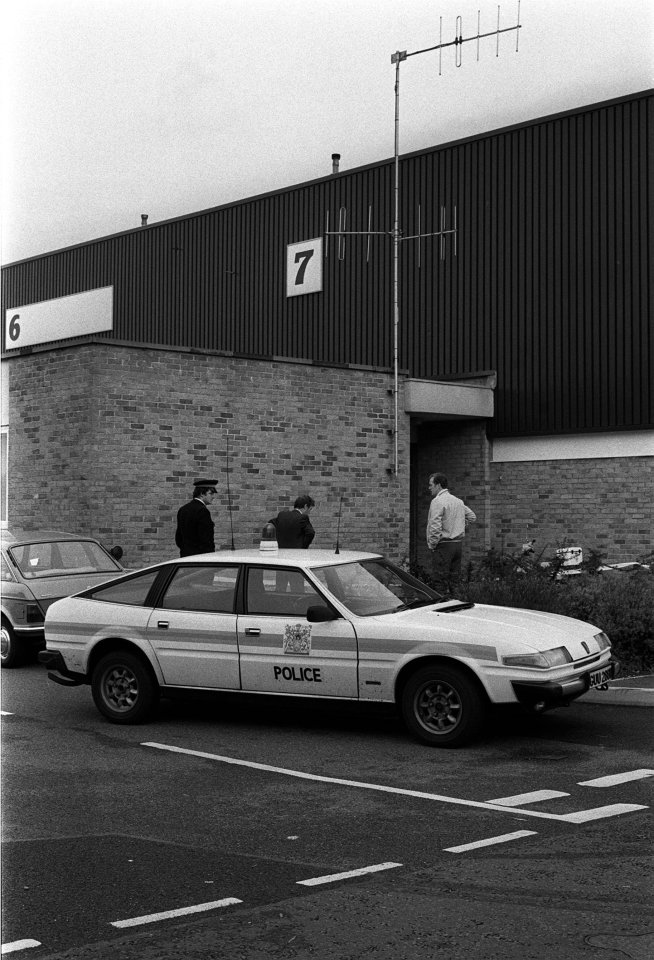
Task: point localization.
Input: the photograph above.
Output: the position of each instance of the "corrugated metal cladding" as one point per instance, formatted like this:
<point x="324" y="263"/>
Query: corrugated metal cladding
<point x="551" y="284"/>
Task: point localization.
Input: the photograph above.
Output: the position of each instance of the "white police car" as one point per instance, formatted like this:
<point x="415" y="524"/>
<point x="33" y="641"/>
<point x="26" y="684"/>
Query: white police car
<point x="320" y="624"/>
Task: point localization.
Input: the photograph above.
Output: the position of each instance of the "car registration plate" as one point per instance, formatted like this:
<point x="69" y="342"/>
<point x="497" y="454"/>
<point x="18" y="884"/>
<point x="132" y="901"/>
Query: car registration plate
<point x="599" y="677"/>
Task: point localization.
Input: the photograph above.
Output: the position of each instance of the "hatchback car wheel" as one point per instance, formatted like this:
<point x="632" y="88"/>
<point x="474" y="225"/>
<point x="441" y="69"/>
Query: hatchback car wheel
<point x="123" y="688"/>
<point x="442" y="707"/>
<point x="10" y="655"/>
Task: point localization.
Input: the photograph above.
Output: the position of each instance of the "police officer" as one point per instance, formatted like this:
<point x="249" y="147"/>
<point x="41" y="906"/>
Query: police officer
<point x="195" y="528"/>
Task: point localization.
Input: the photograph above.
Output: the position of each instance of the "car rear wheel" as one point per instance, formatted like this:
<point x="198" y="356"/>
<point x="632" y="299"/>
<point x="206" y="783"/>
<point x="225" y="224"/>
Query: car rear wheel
<point x="10" y="655"/>
<point x="442" y="706"/>
<point x="124" y="690"/>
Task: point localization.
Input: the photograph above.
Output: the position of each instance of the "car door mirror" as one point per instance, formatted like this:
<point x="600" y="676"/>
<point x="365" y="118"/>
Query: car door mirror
<point x="320" y="614"/>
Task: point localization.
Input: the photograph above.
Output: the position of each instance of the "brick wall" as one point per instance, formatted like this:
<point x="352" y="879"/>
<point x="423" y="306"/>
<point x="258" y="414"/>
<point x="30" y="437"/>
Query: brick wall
<point x="106" y="440"/>
<point x="597" y="504"/>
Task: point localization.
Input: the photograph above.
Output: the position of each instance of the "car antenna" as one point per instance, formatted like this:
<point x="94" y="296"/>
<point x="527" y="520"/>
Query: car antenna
<point x="338" y="527"/>
<point x="229" y="496"/>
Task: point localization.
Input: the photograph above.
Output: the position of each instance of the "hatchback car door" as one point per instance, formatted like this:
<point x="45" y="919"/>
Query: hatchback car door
<point x="281" y="651"/>
<point x="193" y="628"/>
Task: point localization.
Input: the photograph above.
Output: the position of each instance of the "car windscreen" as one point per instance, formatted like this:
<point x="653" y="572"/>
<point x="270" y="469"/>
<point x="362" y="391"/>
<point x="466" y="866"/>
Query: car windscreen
<point x="62" y="558"/>
<point x="369" y="588"/>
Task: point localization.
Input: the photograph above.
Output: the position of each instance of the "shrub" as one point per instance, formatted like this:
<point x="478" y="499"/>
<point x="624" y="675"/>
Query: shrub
<point x="619" y="603"/>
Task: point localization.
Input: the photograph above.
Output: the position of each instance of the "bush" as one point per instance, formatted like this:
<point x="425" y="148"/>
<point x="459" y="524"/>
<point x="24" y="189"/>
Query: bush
<point x="619" y="603"/>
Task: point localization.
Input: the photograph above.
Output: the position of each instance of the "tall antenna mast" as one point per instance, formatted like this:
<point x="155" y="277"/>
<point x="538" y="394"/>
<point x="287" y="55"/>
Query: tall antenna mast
<point x="397" y="58"/>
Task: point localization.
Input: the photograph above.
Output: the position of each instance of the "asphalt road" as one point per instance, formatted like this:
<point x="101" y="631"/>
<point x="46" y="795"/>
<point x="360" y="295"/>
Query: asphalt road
<point x="255" y="828"/>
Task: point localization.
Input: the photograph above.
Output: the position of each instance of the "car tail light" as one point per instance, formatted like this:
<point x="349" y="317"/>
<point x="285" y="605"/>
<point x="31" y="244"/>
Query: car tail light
<point x="33" y="613"/>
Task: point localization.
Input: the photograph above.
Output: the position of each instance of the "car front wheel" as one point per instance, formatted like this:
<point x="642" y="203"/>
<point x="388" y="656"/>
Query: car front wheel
<point x="10" y="655"/>
<point x="124" y="690"/>
<point x="442" y="706"/>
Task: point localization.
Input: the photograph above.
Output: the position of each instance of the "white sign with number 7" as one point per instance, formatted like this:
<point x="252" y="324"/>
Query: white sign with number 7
<point x="304" y="267"/>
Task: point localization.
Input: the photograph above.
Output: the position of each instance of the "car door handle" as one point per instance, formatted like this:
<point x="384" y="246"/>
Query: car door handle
<point x="252" y="632"/>
<point x="163" y="624"/>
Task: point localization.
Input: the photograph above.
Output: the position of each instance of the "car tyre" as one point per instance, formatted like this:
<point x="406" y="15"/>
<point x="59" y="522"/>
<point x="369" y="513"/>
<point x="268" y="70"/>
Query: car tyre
<point x="124" y="689"/>
<point x="442" y="706"/>
<point x="10" y="654"/>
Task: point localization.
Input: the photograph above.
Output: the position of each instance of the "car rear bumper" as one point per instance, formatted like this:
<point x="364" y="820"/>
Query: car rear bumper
<point x="30" y="637"/>
<point x="553" y="693"/>
<point x="58" y="671"/>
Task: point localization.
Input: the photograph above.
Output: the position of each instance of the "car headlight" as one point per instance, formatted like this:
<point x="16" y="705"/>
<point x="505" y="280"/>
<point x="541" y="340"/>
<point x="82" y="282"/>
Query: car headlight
<point x="603" y="641"/>
<point x="543" y="661"/>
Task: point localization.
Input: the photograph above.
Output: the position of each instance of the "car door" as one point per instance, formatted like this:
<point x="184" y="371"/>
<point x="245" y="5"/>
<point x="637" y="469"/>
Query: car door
<point x="193" y="628"/>
<point x="281" y="652"/>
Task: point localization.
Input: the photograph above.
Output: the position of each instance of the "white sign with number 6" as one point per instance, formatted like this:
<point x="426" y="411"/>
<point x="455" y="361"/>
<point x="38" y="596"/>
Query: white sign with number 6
<point x="304" y="267"/>
<point x="73" y="316"/>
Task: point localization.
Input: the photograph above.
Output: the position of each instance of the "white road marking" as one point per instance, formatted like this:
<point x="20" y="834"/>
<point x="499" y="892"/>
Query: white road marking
<point x="333" y="877"/>
<point x="533" y="797"/>
<point x="614" y="810"/>
<point x="600" y="813"/>
<point x="617" y="778"/>
<point x="182" y="912"/>
<point x="504" y="838"/>
<point x="19" y="945"/>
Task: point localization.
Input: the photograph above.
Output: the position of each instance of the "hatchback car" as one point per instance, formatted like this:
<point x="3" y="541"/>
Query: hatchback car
<point x="316" y="623"/>
<point x="37" y="569"/>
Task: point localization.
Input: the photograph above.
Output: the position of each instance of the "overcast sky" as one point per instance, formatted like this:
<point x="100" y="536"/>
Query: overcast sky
<point x="114" y="108"/>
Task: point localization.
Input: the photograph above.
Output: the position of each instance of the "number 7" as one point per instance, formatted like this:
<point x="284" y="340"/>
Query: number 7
<point x="304" y="256"/>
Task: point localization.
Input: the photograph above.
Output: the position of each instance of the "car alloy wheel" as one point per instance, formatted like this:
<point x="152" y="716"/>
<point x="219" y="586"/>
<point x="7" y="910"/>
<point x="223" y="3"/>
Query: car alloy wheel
<point x="442" y="706"/>
<point x="123" y="687"/>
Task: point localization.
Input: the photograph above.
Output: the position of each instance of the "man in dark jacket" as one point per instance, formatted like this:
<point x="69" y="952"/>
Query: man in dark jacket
<point x="195" y="527"/>
<point x="294" y="530"/>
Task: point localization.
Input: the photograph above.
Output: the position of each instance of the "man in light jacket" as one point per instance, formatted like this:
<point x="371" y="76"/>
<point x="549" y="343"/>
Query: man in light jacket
<point x="446" y="529"/>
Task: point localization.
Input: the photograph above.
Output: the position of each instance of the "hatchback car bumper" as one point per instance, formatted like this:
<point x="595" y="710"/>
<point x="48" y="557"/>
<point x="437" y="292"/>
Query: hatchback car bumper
<point x="58" y="671"/>
<point x="556" y="693"/>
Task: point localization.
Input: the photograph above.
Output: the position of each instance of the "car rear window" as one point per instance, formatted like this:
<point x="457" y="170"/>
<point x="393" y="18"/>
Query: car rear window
<point x="62" y="558"/>
<point x="133" y="590"/>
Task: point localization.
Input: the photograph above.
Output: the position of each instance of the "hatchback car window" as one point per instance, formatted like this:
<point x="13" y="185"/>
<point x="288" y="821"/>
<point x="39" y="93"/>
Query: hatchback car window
<point x="278" y="592"/>
<point x="373" y="587"/>
<point x="62" y="558"/>
<point x="131" y="591"/>
<point x="6" y="569"/>
<point x="211" y="589"/>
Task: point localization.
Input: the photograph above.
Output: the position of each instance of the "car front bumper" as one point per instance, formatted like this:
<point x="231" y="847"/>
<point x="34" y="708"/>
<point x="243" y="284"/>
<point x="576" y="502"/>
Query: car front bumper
<point x="557" y="693"/>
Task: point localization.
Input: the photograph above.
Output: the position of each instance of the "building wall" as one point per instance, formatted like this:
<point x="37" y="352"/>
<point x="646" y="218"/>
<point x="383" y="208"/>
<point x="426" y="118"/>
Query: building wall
<point x="602" y="505"/>
<point x="106" y="440"/>
<point x="550" y="285"/>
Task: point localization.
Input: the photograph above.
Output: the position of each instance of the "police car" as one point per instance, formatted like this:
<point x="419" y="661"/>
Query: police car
<point x="316" y="623"/>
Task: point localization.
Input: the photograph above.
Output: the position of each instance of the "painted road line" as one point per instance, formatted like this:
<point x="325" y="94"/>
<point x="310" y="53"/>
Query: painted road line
<point x="490" y="841"/>
<point x="333" y="877"/>
<point x="600" y="813"/>
<point x="181" y="912"/>
<point x="617" y="778"/>
<point x="418" y="794"/>
<point x="534" y="797"/>
<point x="19" y="945"/>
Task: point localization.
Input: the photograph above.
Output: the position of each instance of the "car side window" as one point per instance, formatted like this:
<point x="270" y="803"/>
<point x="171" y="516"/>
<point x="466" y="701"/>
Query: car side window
<point x="273" y="591"/>
<point x="133" y="591"/>
<point x="211" y="589"/>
